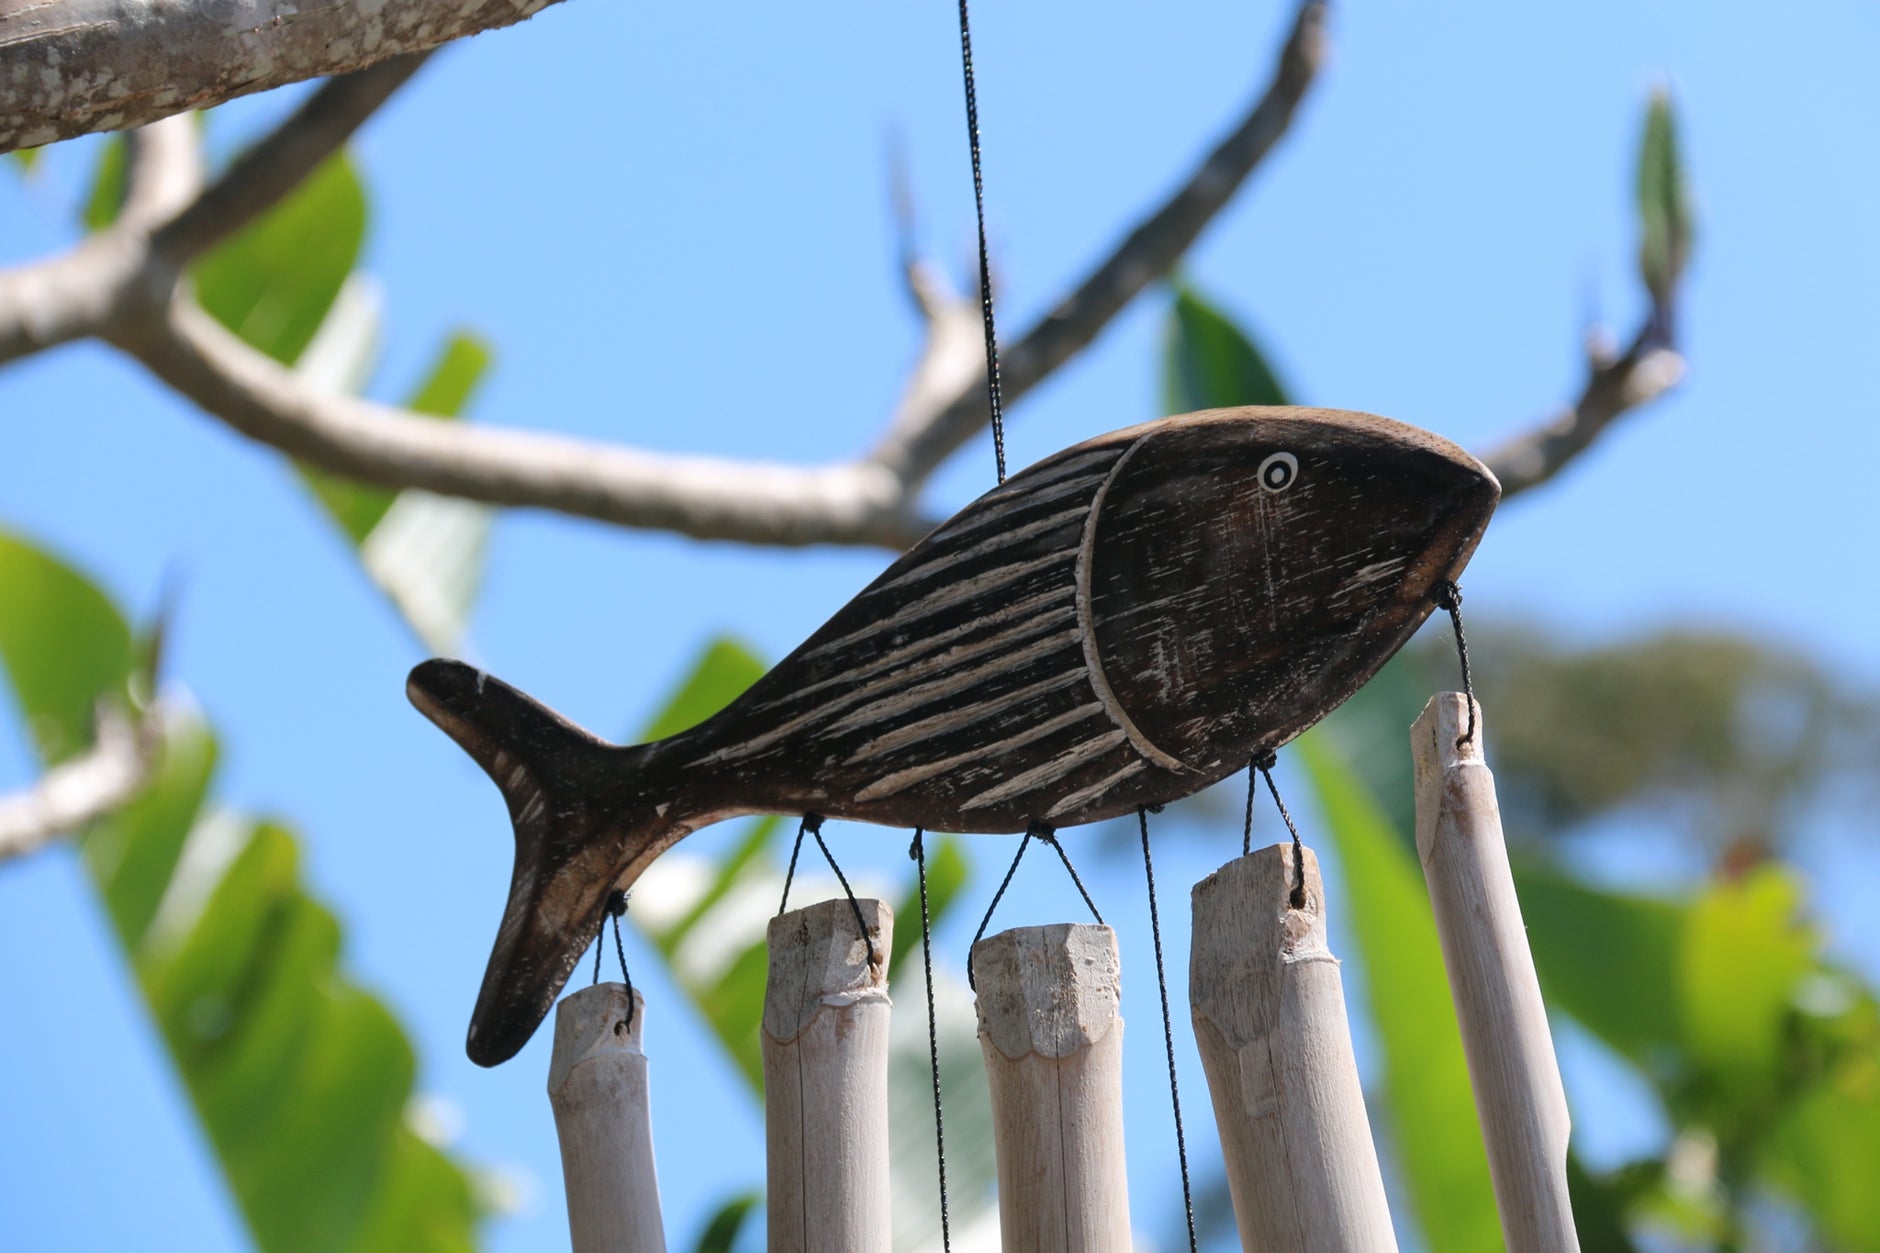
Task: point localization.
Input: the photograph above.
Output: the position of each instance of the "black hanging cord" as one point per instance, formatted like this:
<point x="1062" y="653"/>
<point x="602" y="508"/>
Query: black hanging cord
<point x="1264" y="763"/>
<point x="813" y="824"/>
<point x="614" y="908"/>
<point x="1253" y="788"/>
<point x="1449" y="598"/>
<point x="917" y="850"/>
<point x="985" y="257"/>
<point x="1044" y="834"/>
<point x="1168" y="1030"/>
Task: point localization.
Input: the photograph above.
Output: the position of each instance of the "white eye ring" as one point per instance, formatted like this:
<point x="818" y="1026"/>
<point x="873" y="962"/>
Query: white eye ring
<point x="1278" y="471"/>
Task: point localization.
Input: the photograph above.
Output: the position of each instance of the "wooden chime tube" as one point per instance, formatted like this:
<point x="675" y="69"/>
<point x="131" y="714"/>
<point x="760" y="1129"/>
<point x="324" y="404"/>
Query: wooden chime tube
<point x="597" y="1086"/>
<point x="1052" y="1036"/>
<point x="1269" y="1014"/>
<point x="825" y="1043"/>
<point x="1518" y="1097"/>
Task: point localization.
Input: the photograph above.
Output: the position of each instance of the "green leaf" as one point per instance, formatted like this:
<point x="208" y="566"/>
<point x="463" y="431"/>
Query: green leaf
<point x="1666" y="221"/>
<point x="273" y="284"/>
<point x="717" y="678"/>
<point x="300" y="1078"/>
<point x="65" y="644"/>
<point x="1826" y="1152"/>
<point x="1210" y="363"/>
<point x="721" y="1230"/>
<point x="1608" y="959"/>
<point x="1428" y="1103"/>
<point x="26" y="158"/>
<point x="1745" y="953"/>
<point x="106" y="197"/>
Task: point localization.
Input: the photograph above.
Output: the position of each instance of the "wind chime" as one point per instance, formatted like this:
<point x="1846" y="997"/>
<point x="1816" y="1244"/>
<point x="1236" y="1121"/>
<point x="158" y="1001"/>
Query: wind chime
<point x="1111" y="629"/>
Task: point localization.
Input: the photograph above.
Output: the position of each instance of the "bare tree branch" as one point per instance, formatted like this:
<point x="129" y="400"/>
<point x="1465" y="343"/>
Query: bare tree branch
<point x="88" y="787"/>
<point x="264" y="175"/>
<point x="919" y="442"/>
<point x="76" y="66"/>
<point x="1647" y="370"/>
<point x="710" y="499"/>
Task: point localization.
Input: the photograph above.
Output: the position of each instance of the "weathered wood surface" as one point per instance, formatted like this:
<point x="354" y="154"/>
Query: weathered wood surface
<point x="1518" y="1097"/>
<point x="1121" y="624"/>
<point x="825" y="1044"/>
<point x="1269" y="1014"/>
<point x="603" y="1116"/>
<point x="1052" y="1036"/>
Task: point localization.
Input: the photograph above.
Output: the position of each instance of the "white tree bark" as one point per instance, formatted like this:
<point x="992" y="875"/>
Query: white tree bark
<point x="70" y="67"/>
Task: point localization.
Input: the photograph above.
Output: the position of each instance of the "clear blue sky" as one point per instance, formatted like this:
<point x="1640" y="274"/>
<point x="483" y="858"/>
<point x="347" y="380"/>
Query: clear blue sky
<point x="672" y="222"/>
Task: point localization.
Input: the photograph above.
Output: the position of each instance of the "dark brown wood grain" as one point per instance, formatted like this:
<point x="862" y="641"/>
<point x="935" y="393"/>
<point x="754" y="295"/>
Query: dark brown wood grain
<point x="1121" y="624"/>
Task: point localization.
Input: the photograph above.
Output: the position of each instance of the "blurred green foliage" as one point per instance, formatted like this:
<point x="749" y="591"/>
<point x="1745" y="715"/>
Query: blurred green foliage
<point x="300" y="1078"/>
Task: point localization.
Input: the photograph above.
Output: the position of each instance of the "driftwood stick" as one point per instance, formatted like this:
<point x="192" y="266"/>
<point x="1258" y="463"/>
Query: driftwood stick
<point x="1518" y="1097"/>
<point x="1269" y="1012"/>
<point x="825" y="1044"/>
<point x="597" y="1084"/>
<point x="1052" y="1036"/>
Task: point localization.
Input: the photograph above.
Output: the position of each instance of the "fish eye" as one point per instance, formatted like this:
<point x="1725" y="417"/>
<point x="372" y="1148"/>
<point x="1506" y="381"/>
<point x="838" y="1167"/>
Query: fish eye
<point x="1278" y="471"/>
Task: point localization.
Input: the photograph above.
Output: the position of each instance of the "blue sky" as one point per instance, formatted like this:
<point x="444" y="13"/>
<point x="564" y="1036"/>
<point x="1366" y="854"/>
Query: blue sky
<point x="673" y="224"/>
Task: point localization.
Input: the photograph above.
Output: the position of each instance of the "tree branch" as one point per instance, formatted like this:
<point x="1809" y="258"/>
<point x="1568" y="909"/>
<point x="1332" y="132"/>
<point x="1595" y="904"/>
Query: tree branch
<point x="918" y="442"/>
<point x="1647" y="369"/>
<point x="77" y="66"/>
<point x="758" y="503"/>
<point x="264" y="175"/>
<point x="87" y="788"/>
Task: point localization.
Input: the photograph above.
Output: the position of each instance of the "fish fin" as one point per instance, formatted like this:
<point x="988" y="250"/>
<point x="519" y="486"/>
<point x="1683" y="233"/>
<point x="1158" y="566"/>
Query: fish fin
<point x="581" y="818"/>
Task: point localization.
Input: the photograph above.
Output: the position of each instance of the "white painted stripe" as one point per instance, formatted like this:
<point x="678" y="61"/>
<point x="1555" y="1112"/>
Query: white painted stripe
<point x="890" y="687"/>
<point x="1050" y="772"/>
<point x="893" y="702"/>
<point x="1092" y="660"/>
<point x="925" y="655"/>
<point x="947" y="561"/>
<point x="949" y="596"/>
<point x="957" y="719"/>
<point x="1085" y="795"/>
<point x="901" y="780"/>
<point x="992" y="508"/>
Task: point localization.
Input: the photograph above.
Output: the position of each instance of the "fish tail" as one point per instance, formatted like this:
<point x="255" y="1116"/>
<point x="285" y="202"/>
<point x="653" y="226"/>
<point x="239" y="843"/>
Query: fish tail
<point x="586" y="823"/>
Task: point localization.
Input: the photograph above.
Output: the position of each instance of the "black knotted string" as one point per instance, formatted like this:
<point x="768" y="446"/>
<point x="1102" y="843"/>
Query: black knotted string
<point x="985" y="257"/>
<point x="917" y="850"/>
<point x="1449" y="598"/>
<point x="1168" y="1028"/>
<point x="813" y="823"/>
<point x="1047" y="835"/>
<point x="1262" y="766"/>
<point x="614" y="907"/>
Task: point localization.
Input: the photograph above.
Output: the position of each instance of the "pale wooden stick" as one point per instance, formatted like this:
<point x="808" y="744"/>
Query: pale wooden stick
<point x="825" y="1043"/>
<point x="1518" y="1097"/>
<point x="597" y="1085"/>
<point x="1052" y="1036"/>
<point x="1269" y="1011"/>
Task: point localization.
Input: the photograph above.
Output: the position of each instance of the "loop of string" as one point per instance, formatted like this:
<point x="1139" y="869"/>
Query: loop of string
<point x="918" y="852"/>
<point x="985" y="257"/>
<point x="812" y="823"/>
<point x="1168" y="1029"/>
<point x="614" y="907"/>
<point x="1044" y="834"/>
<point x="1449" y="599"/>
<point x="1263" y="766"/>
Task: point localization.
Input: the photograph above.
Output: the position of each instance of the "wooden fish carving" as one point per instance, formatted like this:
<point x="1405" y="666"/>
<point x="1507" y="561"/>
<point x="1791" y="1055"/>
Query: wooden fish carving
<point x="1121" y="624"/>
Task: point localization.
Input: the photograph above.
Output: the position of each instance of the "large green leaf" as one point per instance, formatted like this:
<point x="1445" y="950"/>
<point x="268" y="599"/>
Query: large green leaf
<point x="1609" y="960"/>
<point x="273" y="283"/>
<point x="1745" y="953"/>
<point x="1826" y="1151"/>
<point x="106" y="196"/>
<point x="1666" y="220"/>
<point x="1208" y="362"/>
<point x="300" y="1078"/>
<point x="1428" y="1104"/>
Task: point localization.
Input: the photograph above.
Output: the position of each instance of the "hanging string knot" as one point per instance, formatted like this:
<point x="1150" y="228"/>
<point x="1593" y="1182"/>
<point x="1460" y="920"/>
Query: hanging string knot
<point x="1448" y="595"/>
<point x="616" y="906"/>
<point x="1449" y="600"/>
<point x="1266" y="761"/>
